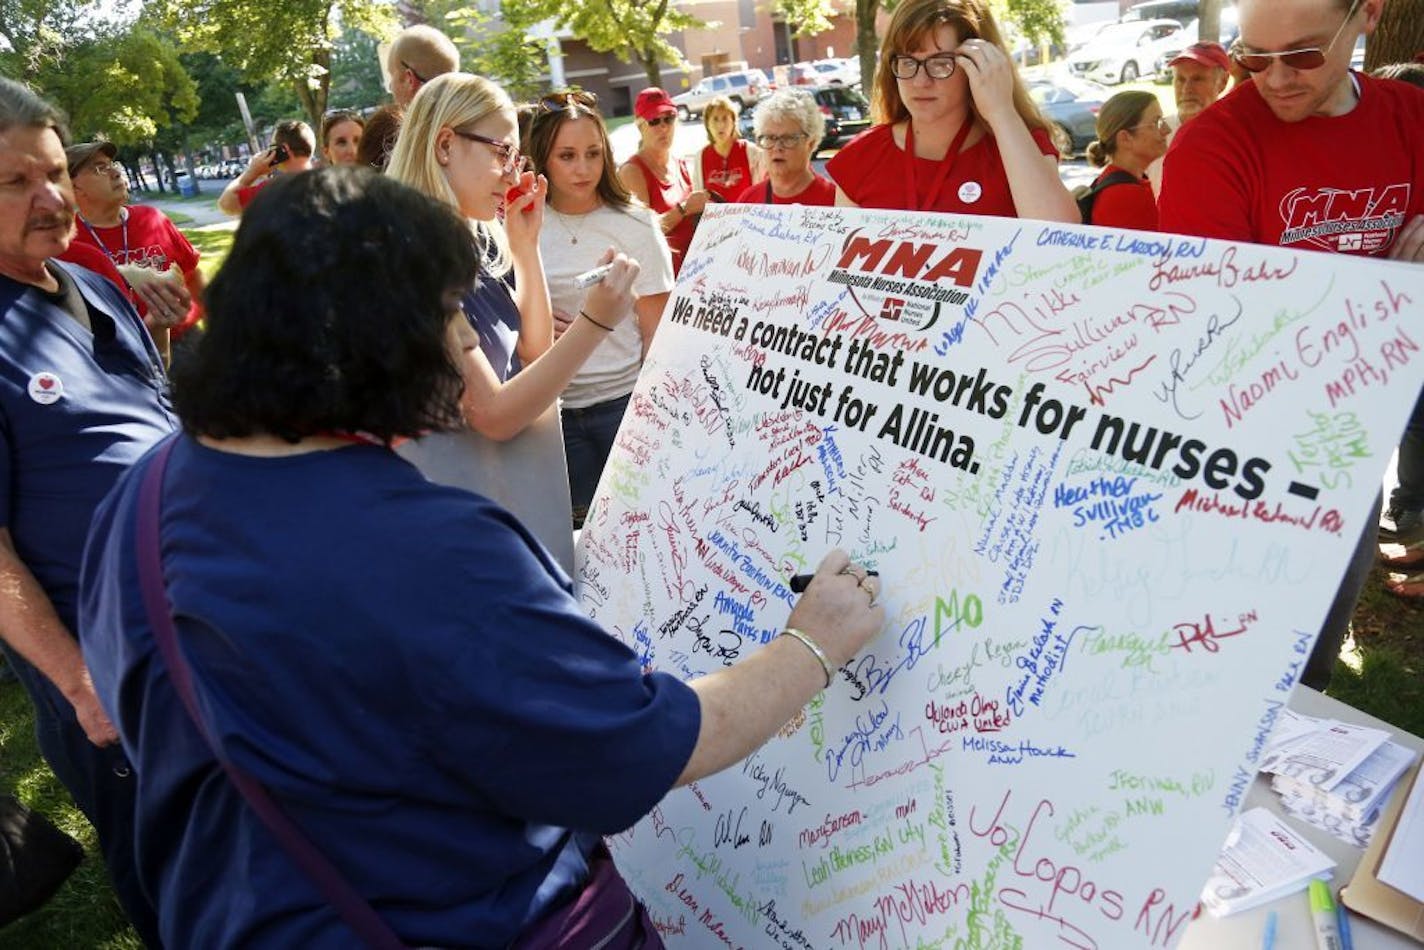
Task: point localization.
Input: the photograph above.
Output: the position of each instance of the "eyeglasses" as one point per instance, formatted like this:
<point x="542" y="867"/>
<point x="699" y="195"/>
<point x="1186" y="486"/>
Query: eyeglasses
<point x="669" y="119"/>
<point x="938" y="66"/>
<point x="781" y="141"/>
<point x="1309" y="57"/>
<point x="513" y="163"/>
<point x="411" y="69"/>
<point x="567" y="100"/>
<point x="104" y="168"/>
<point x="1160" y="124"/>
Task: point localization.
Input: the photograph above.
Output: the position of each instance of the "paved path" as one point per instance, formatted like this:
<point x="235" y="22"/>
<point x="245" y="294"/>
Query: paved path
<point x="203" y="213"/>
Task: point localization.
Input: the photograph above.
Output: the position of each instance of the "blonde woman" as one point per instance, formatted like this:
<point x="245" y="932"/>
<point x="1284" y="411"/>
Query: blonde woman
<point x="459" y="143"/>
<point x="1132" y="134"/>
<point x="659" y="180"/>
<point x="957" y="131"/>
<point x="727" y="165"/>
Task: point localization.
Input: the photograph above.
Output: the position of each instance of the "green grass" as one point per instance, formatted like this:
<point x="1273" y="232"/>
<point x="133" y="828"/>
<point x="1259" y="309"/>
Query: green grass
<point x="84" y="913"/>
<point x="213" y="242"/>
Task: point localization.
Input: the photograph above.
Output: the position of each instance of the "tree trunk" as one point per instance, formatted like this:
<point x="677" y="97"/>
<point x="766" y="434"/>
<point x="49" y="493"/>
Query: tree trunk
<point x="652" y="67"/>
<point x="1209" y="24"/>
<point x="866" y="43"/>
<point x="188" y="164"/>
<point x="1399" y="35"/>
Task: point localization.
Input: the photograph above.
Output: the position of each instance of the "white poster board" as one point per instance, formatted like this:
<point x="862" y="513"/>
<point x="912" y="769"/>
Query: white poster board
<point x="1110" y="480"/>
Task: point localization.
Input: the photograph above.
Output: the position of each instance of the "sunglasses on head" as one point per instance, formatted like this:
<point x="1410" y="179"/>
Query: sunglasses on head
<point x="568" y="100"/>
<point x="1308" y="57"/>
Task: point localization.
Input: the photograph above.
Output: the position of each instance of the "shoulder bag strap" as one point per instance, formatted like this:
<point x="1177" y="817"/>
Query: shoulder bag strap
<point x="353" y="909"/>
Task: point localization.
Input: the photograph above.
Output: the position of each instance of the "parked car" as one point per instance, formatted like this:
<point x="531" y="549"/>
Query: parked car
<point x="1072" y="105"/>
<point x="745" y="87"/>
<point x="847" y="114"/>
<point x="1230" y="30"/>
<point x="1121" y="52"/>
<point x="1183" y="11"/>
<point x="824" y="72"/>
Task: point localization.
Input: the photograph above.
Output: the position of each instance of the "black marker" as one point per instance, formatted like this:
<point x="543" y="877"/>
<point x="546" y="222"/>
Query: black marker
<point x="800" y="582"/>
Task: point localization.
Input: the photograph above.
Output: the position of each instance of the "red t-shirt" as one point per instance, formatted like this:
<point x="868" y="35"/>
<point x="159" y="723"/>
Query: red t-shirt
<point x="874" y="172"/>
<point x="727" y="177"/>
<point x="90" y="257"/>
<point x="821" y="191"/>
<point x="1341" y="183"/>
<point x="1129" y="205"/>
<point x="152" y="241"/>
<point x="665" y="195"/>
<point x="245" y="195"/>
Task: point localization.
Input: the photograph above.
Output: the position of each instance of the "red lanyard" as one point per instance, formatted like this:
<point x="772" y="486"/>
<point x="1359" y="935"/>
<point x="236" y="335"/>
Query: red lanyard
<point x="946" y="164"/>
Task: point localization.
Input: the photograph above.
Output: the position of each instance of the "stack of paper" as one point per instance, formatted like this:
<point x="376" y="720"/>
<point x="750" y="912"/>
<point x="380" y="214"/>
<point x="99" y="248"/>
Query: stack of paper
<point x="1263" y="859"/>
<point x="1334" y="775"/>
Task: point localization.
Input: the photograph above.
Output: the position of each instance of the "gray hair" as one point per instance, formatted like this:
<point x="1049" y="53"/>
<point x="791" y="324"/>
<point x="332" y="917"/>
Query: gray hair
<point x="20" y="107"/>
<point x="794" y="104"/>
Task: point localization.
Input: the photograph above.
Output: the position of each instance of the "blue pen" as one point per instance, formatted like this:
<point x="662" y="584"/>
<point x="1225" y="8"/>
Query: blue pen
<point x="1346" y="941"/>
<point x="1268" y="939"/>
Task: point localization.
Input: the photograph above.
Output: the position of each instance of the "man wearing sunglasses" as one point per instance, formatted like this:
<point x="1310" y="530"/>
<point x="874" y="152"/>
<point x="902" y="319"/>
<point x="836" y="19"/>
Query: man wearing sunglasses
<point x="1307" y="155"/>
<point x="1310" y="156"/>
<point x="418" y="55"/>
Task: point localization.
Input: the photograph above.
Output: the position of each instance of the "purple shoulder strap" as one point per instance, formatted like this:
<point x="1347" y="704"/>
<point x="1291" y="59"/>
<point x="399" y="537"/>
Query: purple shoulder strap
<point x="354" y="909"/>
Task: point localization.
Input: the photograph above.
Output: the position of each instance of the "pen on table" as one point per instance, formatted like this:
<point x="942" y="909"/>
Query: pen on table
<point x="1347" y="940"/>
<point x="1322" y="912"/>
<point x="800" y="581"/>
<point x="590" y="277"/>
<point x="1268" y="936"/>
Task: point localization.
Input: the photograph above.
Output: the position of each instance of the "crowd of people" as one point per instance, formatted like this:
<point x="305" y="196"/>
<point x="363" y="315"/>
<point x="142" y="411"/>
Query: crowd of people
<point x="318" y="675"/>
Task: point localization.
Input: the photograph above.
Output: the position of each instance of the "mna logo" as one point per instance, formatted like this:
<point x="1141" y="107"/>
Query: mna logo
<point x="892" y="308"/>
<point x="1364" y="219"/>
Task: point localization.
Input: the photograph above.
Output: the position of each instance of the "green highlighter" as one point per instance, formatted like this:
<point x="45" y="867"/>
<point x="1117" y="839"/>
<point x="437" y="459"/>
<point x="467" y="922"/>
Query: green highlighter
<point x="1322" y="912"/>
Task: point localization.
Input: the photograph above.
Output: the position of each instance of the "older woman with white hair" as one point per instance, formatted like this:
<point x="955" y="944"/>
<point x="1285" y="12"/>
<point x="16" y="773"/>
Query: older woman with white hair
<point x="789" y="128"/>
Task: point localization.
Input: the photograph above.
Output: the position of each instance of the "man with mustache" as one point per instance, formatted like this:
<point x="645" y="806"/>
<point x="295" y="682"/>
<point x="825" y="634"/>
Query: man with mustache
<point x="82" y="395"/>
<point x="1199" y="77"/>
<point x="1310" y="156"/>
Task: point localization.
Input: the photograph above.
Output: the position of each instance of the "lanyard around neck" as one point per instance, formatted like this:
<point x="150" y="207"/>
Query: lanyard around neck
<point x="123" y="224"/>
<point x="946" y="164"/>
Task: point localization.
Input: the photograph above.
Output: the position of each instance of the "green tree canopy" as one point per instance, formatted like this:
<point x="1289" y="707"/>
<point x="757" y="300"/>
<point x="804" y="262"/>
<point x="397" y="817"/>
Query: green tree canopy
<point x="632" y="30"/>
<point x="291" y="41"/>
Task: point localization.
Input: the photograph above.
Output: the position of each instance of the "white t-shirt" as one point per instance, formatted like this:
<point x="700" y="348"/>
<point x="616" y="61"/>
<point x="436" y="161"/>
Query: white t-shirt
<point x="571" y="244"/>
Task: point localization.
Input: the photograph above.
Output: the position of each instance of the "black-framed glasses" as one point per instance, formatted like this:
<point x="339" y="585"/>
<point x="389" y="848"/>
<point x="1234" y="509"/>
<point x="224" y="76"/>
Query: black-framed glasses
<point x="1307" y="57"/>
<point x="781" y="141"/>
<point x="512" y="162"/>
<point x="938" y="66"/>
<point x="411" y="69"/>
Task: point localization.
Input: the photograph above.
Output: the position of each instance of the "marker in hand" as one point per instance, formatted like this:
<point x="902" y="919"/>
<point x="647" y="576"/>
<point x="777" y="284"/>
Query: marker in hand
<point x="800" y="582"/>
<point x="589" y="278"/>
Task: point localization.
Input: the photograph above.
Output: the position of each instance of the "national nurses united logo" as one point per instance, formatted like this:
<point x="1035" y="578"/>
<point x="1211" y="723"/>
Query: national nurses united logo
<point x="903" y="278"/>
<point x="46" y="388"/>
<point x="1350" y="222"/>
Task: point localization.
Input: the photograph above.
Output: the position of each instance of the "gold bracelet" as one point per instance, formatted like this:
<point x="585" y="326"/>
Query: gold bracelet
<point x="601" y="326"/>
<point x="811" y="645"/>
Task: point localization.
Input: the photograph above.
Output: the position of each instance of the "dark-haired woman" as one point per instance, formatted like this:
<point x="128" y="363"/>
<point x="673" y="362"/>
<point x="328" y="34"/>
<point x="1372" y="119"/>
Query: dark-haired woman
<point x="590" y="210"/>
<point x="398" y="664"/>
<point x="1132" y="134"/>
<point x="956" y="130"/>
<point x="726" y="166"/>
<point x="341" y="137"/>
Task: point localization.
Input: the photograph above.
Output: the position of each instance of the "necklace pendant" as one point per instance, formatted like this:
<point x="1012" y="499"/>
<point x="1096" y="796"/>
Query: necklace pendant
<point x="573" y="240"/>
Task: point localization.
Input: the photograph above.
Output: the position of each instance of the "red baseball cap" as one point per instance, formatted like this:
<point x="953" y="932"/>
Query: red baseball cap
<point x="1208" y="54"/>
<point x="653" y="102"/>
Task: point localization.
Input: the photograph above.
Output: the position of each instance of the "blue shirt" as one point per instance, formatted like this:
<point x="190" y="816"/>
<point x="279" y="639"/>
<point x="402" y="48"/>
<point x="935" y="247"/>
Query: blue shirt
<point x="396" y="663"/>
<point x="76" y="409"/>
<point x="491" y="310"/>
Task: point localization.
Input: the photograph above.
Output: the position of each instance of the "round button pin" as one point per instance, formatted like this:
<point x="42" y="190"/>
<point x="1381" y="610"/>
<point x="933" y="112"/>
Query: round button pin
<point x="46" y="388"/>
<point x="970" y="192"/>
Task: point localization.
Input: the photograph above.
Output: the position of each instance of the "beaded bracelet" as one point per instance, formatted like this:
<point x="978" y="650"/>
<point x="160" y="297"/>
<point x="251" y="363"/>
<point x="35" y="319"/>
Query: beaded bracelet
<point x="601" y="326"/>
<point x="814" y="648"/>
